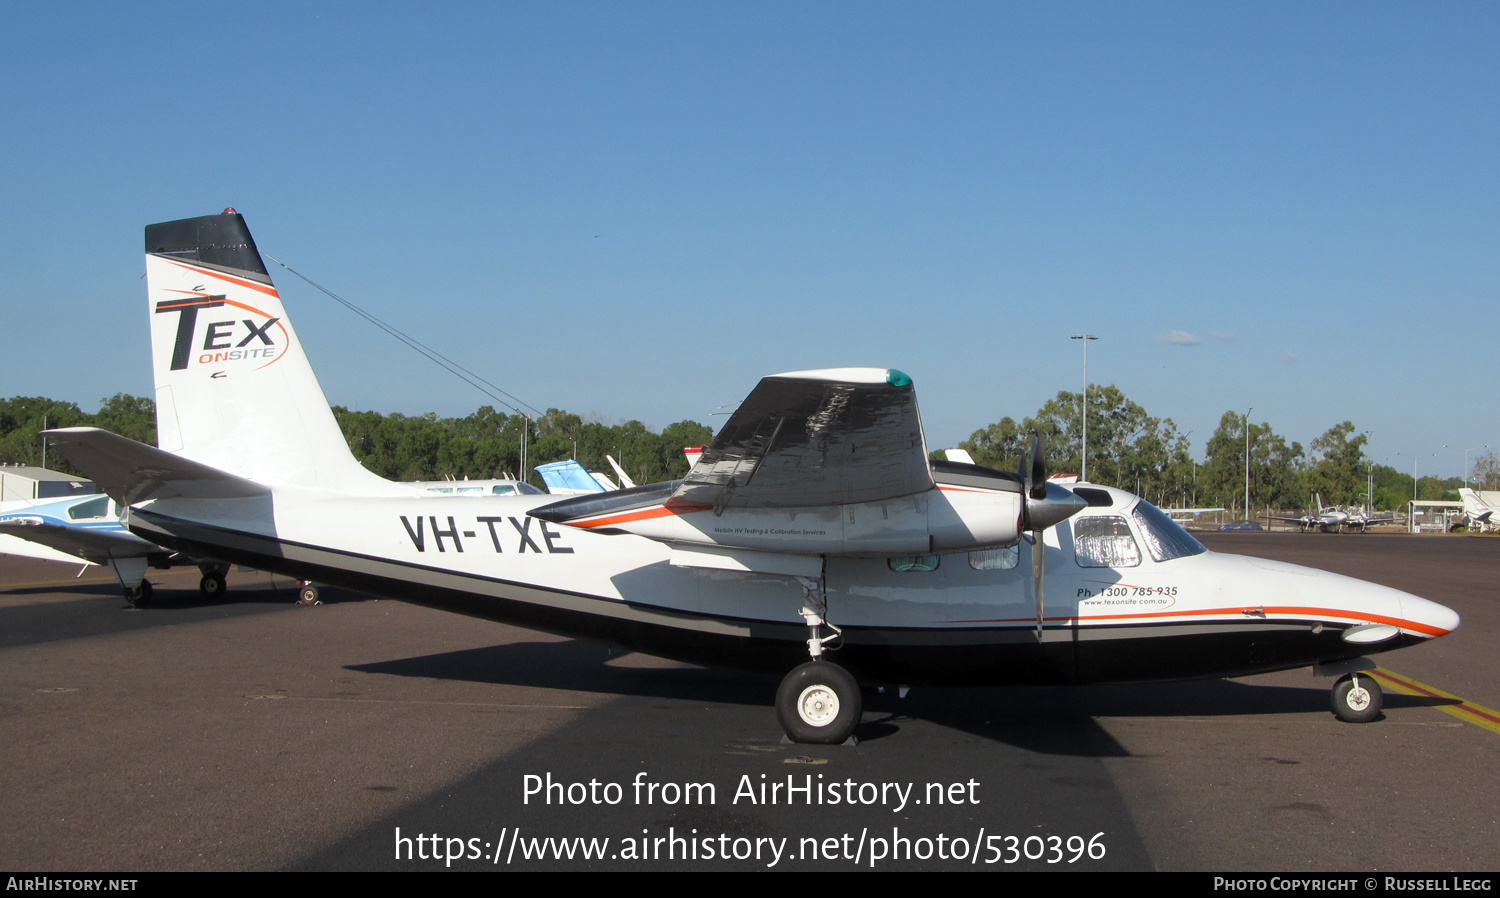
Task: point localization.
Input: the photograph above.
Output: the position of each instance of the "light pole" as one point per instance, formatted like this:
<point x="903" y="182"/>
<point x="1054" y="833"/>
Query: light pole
<point x="1083" y="475"/>
<point x="1466" y="460"/>
<point x="1247" y="460"/>
<point x="1189" y="440"/>
<point x="1412" y="518"/>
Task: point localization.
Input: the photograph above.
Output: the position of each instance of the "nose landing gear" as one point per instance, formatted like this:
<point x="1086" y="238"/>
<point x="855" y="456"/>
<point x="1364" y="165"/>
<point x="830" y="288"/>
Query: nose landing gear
<point x="1357" y="698"/>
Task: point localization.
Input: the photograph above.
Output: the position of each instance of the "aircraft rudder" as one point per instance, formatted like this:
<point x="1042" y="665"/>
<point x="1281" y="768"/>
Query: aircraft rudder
<point x="234" y="389"/>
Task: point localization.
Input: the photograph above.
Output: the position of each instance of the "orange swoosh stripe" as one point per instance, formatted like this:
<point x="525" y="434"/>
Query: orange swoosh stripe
<point x="242" y="282"/>
<point x="644" y="514"/>
<point x="1237" y="614"/>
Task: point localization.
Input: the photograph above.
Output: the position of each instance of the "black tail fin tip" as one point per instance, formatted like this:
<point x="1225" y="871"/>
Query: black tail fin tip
<point x="221" y="242"/>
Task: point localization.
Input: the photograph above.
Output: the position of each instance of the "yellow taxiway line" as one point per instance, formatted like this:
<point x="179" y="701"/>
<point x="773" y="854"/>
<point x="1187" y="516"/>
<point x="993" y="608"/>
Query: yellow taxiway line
<point x="1466" y="711"/>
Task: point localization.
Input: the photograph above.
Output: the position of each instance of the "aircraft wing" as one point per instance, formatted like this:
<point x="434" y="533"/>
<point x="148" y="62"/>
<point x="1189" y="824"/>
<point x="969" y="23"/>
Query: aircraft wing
<point x="1302" y="520"/>
<point x="815" y="438"/>
<point x="92" y="544"/>
<point x="132" y="472"/>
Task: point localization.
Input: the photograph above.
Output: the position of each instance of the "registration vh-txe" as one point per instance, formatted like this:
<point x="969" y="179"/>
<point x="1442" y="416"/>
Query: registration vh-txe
<point x="812" y="540"/>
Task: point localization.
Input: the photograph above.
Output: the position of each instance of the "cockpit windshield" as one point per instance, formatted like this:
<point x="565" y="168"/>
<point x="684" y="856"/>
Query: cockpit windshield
<point x="1165" y="540"/>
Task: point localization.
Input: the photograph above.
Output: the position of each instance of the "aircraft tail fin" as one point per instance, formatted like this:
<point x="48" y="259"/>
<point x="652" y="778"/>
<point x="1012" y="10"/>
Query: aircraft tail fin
<point x="625" y="481"/>
<point x="1475" y="507"/>
<point x="568" y="478"/>
<point x="234" y="390"/>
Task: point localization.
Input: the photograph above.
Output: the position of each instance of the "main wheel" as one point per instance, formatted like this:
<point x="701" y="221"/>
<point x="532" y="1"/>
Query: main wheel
<point x="1357" y="701"/>
<point x="308" y="595"/>
<point x="819" y="702"/>
<point x="212" y="586"/>
<point x="139" y="597"/>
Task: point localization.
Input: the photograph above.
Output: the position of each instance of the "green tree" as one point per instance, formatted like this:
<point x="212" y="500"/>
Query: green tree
<point x="1392" y="488"/>
<point x="1335" y="467"/>
<point x="1127" y="447"/>
<point x="1272" y="464"/>
<point x="22" y="420"/>
<point x="129" y="416"/>
<point x="1002" y="445"/>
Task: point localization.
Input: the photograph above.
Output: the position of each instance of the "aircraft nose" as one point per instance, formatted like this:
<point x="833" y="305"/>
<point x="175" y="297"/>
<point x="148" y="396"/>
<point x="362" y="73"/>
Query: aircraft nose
<point x="1427" y="617"/>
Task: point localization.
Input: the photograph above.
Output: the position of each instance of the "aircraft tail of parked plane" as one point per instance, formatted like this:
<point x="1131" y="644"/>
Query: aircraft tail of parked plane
<point x="814" y="523"/>
<point x="569" y="478"/>
<point x="224" y="353"/>
<point x="1477" y="510"/>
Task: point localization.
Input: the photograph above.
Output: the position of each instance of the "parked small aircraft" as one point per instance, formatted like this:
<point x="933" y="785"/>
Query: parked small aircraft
<point x="814" y="526"/>
<point x="1336" y="518"/>
<point x="88" y="530"/>
<point x="1481" y="516"/>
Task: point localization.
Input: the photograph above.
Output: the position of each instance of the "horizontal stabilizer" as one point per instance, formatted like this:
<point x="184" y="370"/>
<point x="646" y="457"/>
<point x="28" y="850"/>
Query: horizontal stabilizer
<point x="95" y="545"/>
<point x="132" y="472"/>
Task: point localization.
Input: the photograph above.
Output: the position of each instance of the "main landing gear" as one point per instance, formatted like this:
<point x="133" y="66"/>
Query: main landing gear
<point x="1357" y="698"/>
<point x="818" y="702"/>
<point x="307" y="593"/>
<point x="214" y="582"/>
<point x="139" y="596"/>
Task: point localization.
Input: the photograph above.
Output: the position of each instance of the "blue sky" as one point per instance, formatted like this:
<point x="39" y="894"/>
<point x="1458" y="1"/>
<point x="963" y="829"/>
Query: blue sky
<point x="635" y="210"/>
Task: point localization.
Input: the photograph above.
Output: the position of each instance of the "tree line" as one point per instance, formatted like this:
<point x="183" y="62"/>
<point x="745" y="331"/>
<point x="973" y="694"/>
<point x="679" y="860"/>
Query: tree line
<point x="1128" y="448"/>
<point x="480" y="446"/>
<point x="1132" y="450"/>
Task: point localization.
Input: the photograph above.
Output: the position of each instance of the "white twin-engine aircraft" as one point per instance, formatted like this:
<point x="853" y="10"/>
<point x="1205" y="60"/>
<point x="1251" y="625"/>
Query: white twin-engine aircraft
<point x="814" y="527"/>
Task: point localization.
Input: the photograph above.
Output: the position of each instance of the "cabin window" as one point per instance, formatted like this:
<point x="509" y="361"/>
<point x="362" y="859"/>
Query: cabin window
<point x="1165" y="540"/>
<point x="1104" y="541"/>
<point x="995" y="559"/>
<point x="903" y="564"/>
<point x="93" y="508"/>
<point x="503" y="491"/>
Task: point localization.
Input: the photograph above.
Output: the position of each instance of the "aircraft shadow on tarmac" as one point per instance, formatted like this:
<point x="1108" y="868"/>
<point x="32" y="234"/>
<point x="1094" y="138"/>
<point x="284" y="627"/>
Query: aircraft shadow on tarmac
<point x="1047" y="719"/>
<point x="81" y="588"/>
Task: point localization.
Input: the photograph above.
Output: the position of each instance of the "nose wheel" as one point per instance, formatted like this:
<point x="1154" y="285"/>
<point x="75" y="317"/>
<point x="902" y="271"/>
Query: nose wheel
<point x="1357" y="698"/>
<point x="819" y="703"/>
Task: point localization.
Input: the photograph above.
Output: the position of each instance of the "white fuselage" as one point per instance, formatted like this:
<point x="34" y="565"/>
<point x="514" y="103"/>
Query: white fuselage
<point x="1112" y="611"/>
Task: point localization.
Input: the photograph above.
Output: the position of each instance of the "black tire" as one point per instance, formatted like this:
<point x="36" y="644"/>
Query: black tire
<point x="139" y="597"/>
<point x="212" y="586"/>
<point x="1359" y="704"/>
<point x="819" y="703"/>
<point x="308" y="595"/>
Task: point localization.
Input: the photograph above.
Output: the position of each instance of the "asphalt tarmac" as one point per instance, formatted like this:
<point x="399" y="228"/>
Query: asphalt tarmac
<point x="251" y="734"/>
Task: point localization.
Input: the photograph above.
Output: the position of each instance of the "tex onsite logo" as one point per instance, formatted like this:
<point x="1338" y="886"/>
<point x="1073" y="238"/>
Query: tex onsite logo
<point x="229" y="340"/>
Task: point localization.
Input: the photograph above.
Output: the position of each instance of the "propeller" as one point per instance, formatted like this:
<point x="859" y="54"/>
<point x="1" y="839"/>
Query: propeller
<point x="1047" y="505"/>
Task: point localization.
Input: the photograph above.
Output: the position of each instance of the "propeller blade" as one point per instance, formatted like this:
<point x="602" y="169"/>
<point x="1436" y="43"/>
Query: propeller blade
<point x="1037" y="565"/>
<point x="1037" y="483"/>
